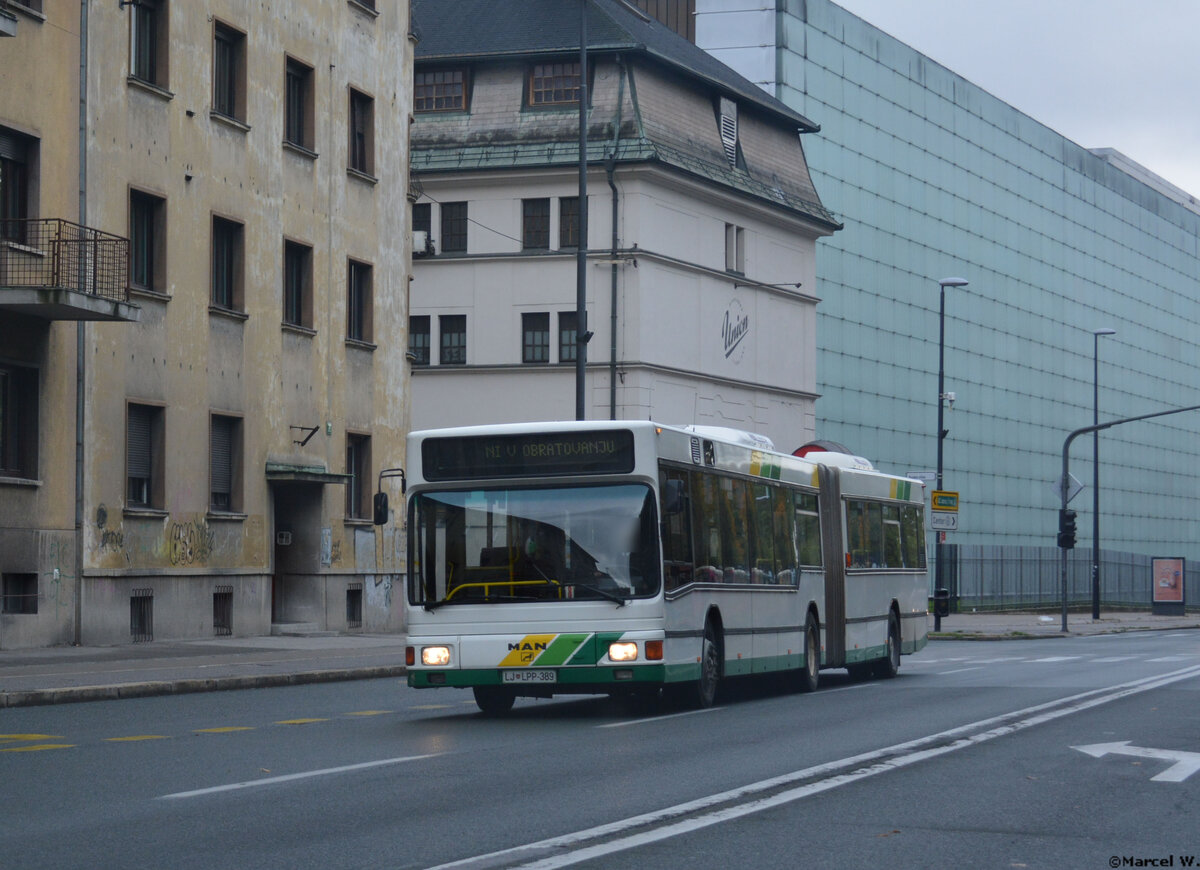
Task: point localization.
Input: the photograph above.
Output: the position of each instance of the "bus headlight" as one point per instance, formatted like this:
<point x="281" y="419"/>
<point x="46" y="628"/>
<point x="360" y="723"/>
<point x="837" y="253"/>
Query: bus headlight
<point x="622" y="652"/>
<point x="435" y="656"/>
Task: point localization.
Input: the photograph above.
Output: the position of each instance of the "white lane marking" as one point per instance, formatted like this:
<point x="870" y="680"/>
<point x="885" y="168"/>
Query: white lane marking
<point x="959" y="671"/>
<point x="658" y="718"/>
<point x="1173" y="659"/>
<point x="292" y="777"/>
<point x="1055" y="659"/>
<point x="1107" y="659"/>
<point x="868" y="764"/>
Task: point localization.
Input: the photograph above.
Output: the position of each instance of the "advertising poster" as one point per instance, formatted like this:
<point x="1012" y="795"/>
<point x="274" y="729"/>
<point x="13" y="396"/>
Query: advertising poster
<point x="1167" y="585"/>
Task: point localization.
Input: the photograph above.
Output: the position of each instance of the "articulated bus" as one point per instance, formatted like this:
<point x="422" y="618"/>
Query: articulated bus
<point x="633" y="558"/>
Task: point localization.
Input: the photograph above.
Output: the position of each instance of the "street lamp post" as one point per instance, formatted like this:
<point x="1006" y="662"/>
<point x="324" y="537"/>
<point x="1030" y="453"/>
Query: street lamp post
<point x="1096" y="333"/>
<point x="941" y="429"/>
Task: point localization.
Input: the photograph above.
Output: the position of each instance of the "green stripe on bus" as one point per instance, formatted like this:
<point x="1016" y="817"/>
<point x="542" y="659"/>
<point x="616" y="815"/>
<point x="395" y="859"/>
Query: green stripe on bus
<point x="595" y="649"/>
<point x="563" y="647"/>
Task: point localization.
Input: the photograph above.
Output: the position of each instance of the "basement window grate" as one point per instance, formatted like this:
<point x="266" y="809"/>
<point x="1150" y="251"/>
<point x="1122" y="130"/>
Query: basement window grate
<point x="354" y="605"/>
<point x="223" y="611"/>
<point x="141" y="615"/>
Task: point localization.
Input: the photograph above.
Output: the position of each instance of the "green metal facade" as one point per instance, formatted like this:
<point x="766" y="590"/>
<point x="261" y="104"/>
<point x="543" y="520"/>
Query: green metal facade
<point x="934" y="177"/>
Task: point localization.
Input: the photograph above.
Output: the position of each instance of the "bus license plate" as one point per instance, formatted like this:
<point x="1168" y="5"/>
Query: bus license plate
<point x="530" y="675"/>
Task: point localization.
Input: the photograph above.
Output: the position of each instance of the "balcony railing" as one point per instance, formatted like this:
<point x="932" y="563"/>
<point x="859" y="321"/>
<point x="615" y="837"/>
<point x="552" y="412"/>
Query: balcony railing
<point x="55" y="254"/>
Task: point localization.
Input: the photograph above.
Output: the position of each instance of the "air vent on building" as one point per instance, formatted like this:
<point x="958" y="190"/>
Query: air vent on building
<point x="729" y="130"/>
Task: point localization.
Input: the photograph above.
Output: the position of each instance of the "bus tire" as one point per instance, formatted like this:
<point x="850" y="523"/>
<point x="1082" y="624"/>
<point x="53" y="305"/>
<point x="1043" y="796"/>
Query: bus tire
<point x="705" y="688"/>
<point x="810" y="673"/>
<point x="494" y="700"/>
<point x="889" y="665"/>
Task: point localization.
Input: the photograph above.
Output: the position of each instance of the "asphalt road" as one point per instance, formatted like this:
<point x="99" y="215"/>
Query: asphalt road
<point x="969" y="758"/>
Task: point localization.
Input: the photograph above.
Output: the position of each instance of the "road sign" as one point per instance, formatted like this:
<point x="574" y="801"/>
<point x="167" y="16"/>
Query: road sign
<point x="1185" y="763"/>
<point x="944" y="521"/>
<point x="1074" y="487"/>
<point x="944" y="500"/>
<point x="926" y="477"/>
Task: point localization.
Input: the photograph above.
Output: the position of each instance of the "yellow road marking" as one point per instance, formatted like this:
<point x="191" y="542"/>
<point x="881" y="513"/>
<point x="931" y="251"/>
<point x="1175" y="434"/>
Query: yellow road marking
<point x="224" y="730"/>
<point x="136" y="737"/>
<point x="38" y="747"/>
<point x="299" y="721"/>
<point x="432" y="706"/>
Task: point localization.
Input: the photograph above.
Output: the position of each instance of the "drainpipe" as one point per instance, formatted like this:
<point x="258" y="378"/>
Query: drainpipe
<point x="80" y="329"/>
<point x="609" y="168"/>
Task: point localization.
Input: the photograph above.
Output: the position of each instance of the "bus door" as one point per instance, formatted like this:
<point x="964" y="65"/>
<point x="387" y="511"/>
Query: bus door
<point x="833" y="555"/>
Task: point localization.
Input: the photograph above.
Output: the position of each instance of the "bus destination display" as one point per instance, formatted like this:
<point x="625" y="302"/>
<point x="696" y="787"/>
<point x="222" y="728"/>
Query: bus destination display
<point x="533" y="455"/>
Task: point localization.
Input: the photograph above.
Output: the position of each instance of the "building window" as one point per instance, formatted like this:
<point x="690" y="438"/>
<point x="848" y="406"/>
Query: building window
<point x="535" y="224"/>
<point x="554" y="83"/>
<point x="147" y="241"/>
<point x="568" y="349"/>
<point x="225" y="463"/>
<point x="358" y="466"/>
<point x="18" y="422"/>
<point x="454" y="227"/>
<point x="453" y="335"/>
<point x="359" y="308"/>
<point x="227" y="264"/>
<point x="229" y="72"/>
<point x="17" y="157"/>
<point x="362" y="133"/>
<point x="422" y="227"/>
<point x="728" y="123"/>
<point x="144" y="457"/>
<point x="20" y="593"/>
<point x="735" y="249"/>
<point x="568" y="222"/>
<point x="297" y="284"/>
<point x="535" y="338"/>
<point x="148" y="42"/>
<point x="442" y="90"/>
<point x="418" y="339"/>
<point x="298" y="106"/>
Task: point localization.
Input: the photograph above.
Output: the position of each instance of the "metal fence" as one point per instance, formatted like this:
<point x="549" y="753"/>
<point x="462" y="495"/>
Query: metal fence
<point x="982" y="577"/>
<point x="54" y="253"/>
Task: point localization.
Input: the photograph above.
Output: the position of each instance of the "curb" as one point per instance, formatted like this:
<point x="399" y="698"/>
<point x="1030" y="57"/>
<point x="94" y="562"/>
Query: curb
<point x="155" y="688"/>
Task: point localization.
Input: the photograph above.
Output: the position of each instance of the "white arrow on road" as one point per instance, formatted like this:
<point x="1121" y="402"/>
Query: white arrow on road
<point x="1186" y="763"/>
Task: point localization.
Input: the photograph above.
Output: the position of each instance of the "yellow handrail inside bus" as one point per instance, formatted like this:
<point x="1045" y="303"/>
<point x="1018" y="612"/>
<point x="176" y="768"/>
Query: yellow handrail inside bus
<point x="512" y="584"/>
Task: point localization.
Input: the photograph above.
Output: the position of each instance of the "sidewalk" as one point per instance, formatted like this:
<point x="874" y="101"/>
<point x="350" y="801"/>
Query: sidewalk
<point x="63" y="674"/>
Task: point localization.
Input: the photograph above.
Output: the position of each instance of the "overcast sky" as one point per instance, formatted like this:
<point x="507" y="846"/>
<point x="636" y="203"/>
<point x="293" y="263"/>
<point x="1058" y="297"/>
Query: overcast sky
<point x="1104" y="73"/>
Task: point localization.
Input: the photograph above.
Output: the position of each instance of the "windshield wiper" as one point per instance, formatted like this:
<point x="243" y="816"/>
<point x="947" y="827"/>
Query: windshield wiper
<point x="620" y="599"/>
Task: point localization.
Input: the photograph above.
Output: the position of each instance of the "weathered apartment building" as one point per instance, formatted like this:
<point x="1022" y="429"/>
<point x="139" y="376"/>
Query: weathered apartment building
<point x="701" y="231"/>
<point x="203" y="301"/>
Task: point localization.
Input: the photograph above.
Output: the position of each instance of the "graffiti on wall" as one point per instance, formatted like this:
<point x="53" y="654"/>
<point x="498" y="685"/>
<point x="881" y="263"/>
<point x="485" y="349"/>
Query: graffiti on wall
<point x="189" y="543"/>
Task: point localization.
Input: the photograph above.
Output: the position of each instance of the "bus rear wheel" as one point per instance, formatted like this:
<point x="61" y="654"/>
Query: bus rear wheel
<point x="889" y="665"/>
<point x="494" y="700"/>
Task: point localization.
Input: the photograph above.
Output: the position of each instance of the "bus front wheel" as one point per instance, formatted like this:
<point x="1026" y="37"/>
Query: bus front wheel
<point x="494" y="700"/>
<point x="710" y="669"/>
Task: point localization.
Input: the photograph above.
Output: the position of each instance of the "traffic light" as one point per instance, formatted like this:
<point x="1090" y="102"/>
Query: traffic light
<point x="1066" y="529"/>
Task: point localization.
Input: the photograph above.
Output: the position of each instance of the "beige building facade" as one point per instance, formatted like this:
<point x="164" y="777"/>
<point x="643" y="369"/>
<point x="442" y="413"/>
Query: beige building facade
<point x="240" y="397"/>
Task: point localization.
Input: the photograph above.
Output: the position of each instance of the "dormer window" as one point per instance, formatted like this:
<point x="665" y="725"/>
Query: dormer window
<point x="553" y="84"/>
<point x="440" y="90"/>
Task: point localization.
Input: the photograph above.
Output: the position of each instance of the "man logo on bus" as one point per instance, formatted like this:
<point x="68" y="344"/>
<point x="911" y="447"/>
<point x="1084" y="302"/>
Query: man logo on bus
<point x="526" y="646"/>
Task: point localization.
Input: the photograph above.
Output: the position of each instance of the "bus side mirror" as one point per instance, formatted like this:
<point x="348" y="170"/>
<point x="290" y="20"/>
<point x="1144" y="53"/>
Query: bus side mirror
<point x="381" y="508"/>
<point x="673" y="497"/>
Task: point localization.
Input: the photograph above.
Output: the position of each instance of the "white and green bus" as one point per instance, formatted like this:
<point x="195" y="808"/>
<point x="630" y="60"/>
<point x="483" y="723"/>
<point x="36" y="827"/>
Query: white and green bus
<point x="631" y="557"/>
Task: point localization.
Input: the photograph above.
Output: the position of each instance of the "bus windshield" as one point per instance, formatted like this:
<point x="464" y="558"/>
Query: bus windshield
<point x="494" y="546"/>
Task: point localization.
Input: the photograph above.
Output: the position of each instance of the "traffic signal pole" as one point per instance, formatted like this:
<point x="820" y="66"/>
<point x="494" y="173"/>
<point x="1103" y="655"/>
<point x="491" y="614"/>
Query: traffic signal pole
<point x="1066" y="476"/>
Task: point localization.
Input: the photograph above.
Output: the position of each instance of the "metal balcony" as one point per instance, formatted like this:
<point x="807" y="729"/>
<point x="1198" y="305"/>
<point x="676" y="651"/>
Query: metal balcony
<point x="57" y="270"/>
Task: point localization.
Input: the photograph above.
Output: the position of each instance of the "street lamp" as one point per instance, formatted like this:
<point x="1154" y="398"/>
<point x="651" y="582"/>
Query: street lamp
<point x="941" y="429"/>
<point x="1096" y="333"/>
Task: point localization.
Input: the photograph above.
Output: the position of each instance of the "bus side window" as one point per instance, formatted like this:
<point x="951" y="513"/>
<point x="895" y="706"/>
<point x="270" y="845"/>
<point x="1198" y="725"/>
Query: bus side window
<point x="676" y="529"/>
<point x="808" y="530"/>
